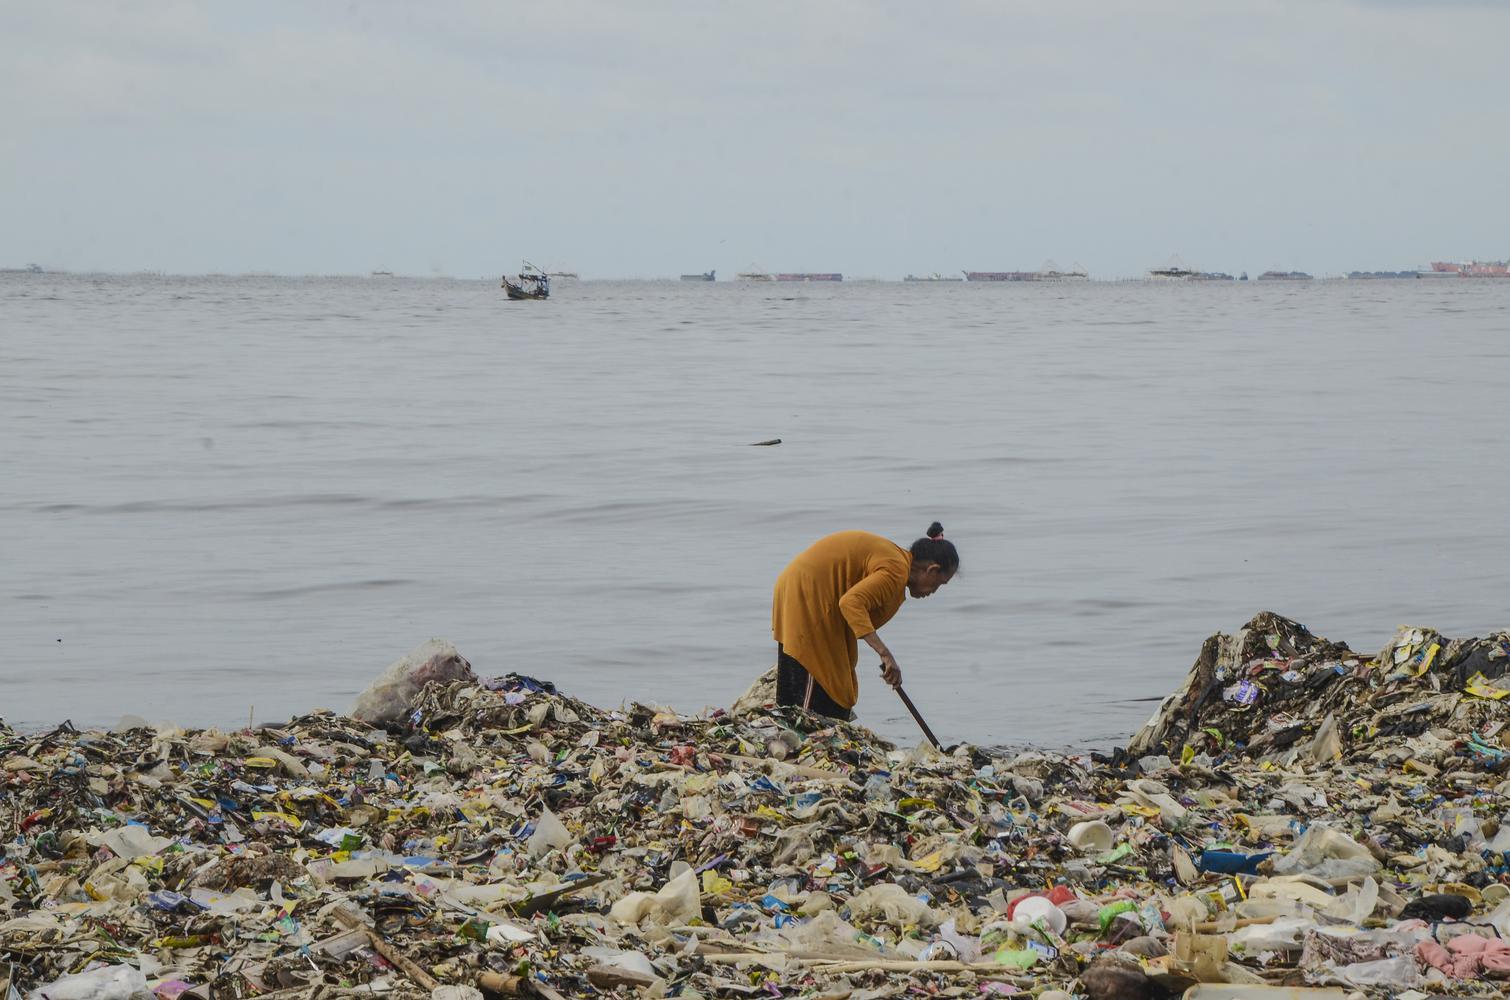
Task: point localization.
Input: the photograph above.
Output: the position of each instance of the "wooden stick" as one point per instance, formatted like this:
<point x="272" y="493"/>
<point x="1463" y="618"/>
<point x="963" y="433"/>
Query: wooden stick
<point x="1211" y="926"/>
<point x="421" y="978"/>
<point x="731" y="957"/>
<point x="919" y="718"/>
<point x="498" y="982"/>
<point x="979" y="968"/>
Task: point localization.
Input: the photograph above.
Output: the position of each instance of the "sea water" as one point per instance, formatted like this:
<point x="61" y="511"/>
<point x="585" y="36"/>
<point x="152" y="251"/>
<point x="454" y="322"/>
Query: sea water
<point x="225" y="498"/>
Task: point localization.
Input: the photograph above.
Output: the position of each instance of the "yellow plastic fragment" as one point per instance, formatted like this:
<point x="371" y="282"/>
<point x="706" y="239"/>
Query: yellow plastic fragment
<point x="1478" y="685"/>
<point x="929" y="862"/>
<point x="285" y="817"/>
<point x="1431" y="654"/>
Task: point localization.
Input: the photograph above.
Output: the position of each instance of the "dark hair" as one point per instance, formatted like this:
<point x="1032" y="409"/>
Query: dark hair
<point x="936" y="549"/>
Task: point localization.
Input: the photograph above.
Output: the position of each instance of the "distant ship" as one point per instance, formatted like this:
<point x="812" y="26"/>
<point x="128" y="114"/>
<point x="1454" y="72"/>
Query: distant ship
<point x="1472" y="269"/>
<point x="753" y="276"/>
<point x="28" y="269"/>
<point x="382" y="274"/>
<point x="935" y="276"/>
<point x="1284" y="276"/>
<point x="1185" y="274"/>
<point x="1001" y="275"/>
<point x="532" y="283"/>
<point x="1175" y="269"/>
<point x="1172" y="273"/>
<point x="1048" y="272"/>
<point x="563" y="274"/>
<point x="705" y="276"/>
<point x="810" y="276"/>
<point x="1380" y="275"/>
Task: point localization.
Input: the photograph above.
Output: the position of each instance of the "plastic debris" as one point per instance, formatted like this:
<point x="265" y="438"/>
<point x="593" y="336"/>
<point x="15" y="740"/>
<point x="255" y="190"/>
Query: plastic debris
<point x="1297" y="820"/>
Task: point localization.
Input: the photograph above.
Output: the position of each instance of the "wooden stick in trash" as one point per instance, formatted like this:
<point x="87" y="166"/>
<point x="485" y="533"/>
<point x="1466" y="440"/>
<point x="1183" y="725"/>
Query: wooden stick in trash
<point x="1211" y="926"/>
<point x="923" y="725"/>
<point x="500" y="983"/>
<point x="421" y="978"/>
<point x="985" y="969"/>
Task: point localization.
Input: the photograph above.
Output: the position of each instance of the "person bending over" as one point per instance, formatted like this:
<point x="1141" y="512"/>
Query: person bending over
<point x="842" y="589"/>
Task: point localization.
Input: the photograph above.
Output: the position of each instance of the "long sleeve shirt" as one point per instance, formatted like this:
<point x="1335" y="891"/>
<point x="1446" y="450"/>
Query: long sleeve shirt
<point x="841" y="587"/>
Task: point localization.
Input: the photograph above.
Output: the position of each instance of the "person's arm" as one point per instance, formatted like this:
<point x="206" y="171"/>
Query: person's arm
<point x="856" y="605"/>
<point x="890" y="672"/>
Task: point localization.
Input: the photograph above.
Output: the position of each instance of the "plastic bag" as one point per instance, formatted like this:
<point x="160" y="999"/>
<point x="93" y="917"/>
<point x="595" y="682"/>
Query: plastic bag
<point x="967" y="948"/>
<point x="1155" y="795"/>
<point x="550" y="834"/>
<point x="676" y="903"/>
<point x="108" y="982"/>
<point x="1326" y="853"/>
<point x="1200" y="956"/>
<point x="892" y="904"/>
<point x="827" y="933"/>
<point x="388" y="698"/>
<point x="1284" y="934"/>
<point x="456" y="993"/>
<point x="1391" y="973"/>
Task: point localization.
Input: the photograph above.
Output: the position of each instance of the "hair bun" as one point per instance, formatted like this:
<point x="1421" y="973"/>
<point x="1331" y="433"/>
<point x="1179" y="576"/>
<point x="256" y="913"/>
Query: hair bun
<point x="935" y="530"/>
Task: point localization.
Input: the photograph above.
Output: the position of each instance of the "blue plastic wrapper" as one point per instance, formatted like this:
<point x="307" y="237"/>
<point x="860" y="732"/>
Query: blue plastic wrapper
<point x="1231" y="862"/>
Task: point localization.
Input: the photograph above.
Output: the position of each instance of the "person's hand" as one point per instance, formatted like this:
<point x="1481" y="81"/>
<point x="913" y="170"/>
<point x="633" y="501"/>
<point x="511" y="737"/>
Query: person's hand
<point x="890" y="672"/>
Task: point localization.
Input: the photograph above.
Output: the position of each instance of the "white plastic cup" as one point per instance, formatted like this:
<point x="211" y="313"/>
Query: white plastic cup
<point x="1036" y="908"/>
<point x="1091" y="837"/>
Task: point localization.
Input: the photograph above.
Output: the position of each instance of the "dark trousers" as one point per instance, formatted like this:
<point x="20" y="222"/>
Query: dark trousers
<point x="795" y="686"/>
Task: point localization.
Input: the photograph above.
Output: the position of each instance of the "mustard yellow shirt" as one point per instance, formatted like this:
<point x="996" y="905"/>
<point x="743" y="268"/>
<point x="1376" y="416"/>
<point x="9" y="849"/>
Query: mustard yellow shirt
<point x="841" y="587"/>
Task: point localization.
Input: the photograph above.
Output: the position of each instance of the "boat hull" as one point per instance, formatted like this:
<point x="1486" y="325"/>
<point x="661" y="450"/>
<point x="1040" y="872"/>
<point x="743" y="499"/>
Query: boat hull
<point x="519" y="293"/>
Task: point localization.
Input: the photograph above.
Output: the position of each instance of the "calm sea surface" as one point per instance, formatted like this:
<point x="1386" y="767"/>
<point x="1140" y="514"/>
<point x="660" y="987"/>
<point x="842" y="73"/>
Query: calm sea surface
<point x="224" y="496"/>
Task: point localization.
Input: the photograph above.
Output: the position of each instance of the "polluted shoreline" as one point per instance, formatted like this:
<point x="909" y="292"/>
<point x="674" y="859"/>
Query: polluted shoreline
<point x="1298" y="819"/>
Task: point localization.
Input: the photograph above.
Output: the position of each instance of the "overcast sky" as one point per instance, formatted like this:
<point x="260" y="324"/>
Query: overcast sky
<point x="627" y="139"/>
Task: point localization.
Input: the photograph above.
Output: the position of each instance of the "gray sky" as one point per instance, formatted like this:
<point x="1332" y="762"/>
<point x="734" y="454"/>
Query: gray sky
<point x="629" y="139"/>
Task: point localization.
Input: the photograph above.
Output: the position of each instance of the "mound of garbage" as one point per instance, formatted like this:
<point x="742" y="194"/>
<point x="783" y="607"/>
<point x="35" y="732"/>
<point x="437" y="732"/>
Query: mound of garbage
<point x="1296" y="817"/>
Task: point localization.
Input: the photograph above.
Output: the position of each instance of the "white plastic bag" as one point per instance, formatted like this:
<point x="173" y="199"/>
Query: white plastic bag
<point x="892" y="904"/>
<point x="108" y="982"/>
<point x="1390" y="973"/>
<point x="677" y="902"/>
<point x="388" y="698"/>
<point x="456" y="993"/>
<point x="1284" y="934"/>
<point x="550" y="834"/>
<point x="1327" y="854"/>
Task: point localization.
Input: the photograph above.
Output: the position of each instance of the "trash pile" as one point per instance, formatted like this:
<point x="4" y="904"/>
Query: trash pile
<point x="1297" y="815"/>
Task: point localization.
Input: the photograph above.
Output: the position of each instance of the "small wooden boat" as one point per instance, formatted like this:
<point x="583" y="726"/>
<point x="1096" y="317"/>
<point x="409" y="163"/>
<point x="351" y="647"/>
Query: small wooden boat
<point x="530" y="283"/>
